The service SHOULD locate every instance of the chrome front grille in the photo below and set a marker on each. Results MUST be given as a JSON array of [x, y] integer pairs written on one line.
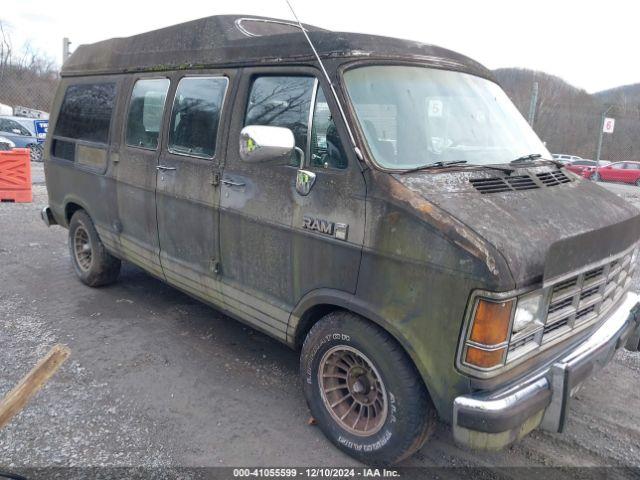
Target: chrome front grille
[[583, 298], [577, 302]]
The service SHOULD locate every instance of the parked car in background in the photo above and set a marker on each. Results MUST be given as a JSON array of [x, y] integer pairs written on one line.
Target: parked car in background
[[36, 126], [24, 133], [6, 144], [627, 172], [565, 158], [584, 167]]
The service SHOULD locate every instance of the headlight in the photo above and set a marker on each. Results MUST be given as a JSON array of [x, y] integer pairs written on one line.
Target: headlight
[[528, 313], [496, 324]]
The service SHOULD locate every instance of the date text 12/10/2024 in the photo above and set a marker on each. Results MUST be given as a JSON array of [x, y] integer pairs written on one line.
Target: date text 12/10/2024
[[291, 472]]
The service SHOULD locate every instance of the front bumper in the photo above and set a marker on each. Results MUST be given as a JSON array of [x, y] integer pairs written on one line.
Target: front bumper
[[493, 420]]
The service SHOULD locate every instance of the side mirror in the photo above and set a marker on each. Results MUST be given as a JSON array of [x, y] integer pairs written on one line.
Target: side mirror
[[261, 143]]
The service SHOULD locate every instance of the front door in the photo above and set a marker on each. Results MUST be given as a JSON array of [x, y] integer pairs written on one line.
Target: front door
[[276, 244], [187, 193], [614, 172]]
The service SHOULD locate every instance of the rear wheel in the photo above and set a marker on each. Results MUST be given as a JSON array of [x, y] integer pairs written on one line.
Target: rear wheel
[[638, 182], [595, 177], [363, 390], [91, 261]]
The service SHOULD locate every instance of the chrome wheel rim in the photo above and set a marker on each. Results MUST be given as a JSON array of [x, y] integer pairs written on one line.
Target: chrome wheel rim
[[36, 154], [352, 390], [82, 248]]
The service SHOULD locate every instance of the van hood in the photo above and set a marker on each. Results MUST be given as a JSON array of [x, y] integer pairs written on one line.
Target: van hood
[[544, 221]]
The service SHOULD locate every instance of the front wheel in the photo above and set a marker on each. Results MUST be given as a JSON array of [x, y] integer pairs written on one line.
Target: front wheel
[[638, 182], [595, 177], [364, 391]]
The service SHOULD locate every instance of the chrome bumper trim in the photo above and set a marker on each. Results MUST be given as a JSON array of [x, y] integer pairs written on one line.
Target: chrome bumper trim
[[493, 420], [47, 217]]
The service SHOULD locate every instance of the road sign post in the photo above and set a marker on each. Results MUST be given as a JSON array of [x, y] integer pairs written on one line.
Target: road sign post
[[606, 126], [609, 125]]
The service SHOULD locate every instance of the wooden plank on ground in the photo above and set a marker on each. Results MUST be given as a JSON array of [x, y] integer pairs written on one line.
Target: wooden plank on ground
[[17, 398]]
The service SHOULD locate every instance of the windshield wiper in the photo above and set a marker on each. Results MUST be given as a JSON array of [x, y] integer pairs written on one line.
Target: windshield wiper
[[526, 158], [439, 165], [436, 165]]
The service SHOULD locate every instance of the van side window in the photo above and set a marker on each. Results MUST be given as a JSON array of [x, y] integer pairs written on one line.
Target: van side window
[[145, 112], [282, 102], [195, 116], [86, 111], [326, 147]]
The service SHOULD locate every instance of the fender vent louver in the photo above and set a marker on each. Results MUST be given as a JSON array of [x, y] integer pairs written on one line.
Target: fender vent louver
[[551, 179], [506, 184], [519, 182]]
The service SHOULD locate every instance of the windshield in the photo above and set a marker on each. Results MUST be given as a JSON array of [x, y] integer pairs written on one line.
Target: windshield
[[414, 116]]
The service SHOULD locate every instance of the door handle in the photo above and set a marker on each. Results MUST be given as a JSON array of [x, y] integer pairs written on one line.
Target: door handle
[[231, 183], [164, 168]]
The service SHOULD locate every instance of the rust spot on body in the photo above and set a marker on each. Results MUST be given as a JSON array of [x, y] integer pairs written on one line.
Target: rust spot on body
[[455, 230]]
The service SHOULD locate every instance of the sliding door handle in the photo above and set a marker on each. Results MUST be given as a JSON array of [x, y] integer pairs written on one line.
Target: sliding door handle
[[232, 183]]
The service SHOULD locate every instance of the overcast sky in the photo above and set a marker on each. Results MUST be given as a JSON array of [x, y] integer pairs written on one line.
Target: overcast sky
[[590, 44]]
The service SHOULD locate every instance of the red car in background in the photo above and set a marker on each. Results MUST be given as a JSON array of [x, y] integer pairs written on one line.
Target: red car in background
[[627, 172], [585, 168]]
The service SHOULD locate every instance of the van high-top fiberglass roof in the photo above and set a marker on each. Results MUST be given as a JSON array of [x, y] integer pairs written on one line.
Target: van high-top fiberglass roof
[[236, 40]]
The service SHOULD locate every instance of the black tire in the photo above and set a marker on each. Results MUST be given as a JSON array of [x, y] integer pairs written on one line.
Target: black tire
[[595, 177], [633, 342], [93, 264], [410, 414], [638, 183]]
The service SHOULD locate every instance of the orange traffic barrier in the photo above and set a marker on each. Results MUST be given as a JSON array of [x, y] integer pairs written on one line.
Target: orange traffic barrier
[[15, 176]]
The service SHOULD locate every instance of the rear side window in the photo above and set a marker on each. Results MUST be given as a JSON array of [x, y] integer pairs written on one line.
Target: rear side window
[[146, 109], [86, 112], [195, 116], [282, 102]]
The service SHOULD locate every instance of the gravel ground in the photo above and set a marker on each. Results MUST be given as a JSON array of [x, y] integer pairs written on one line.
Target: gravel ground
[[158, 379]]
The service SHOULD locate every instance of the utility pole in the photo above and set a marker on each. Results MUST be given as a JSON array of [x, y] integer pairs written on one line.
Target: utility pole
[[533, 104], [65, 49], [603, 116]]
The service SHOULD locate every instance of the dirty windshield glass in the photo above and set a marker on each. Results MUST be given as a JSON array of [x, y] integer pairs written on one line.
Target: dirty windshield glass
[[414, 116]]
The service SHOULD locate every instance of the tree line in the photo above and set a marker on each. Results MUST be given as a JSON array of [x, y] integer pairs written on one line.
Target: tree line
[[27, 77], [568, 119]]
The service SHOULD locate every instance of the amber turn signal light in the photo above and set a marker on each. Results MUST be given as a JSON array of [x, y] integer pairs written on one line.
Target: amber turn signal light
[[484, 358], [491, 321]]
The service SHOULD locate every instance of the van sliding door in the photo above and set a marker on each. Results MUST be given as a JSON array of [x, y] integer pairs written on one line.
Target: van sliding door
[[136, 173], [187, 196]]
